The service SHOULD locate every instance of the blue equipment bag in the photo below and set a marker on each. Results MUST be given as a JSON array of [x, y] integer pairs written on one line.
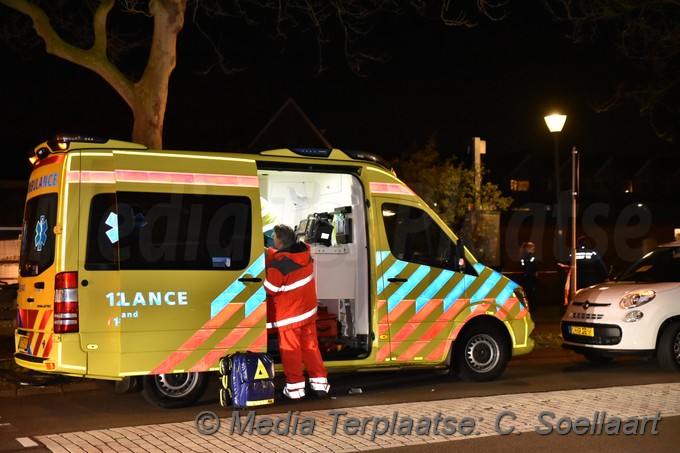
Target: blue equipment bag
[[248, 380]]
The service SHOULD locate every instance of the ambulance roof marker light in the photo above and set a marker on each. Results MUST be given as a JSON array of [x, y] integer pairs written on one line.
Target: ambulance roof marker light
[[59, 143], [312, 152], [369, 157], [357, 155], [38, 154]]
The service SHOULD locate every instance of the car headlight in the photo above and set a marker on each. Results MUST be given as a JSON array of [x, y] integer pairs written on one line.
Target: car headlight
[[637, 298]]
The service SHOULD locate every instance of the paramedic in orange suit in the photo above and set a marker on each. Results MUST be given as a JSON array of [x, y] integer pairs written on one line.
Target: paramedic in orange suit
[[291, 309]]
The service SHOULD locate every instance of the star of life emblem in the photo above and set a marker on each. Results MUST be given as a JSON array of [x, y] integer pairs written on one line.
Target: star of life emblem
[[40, 233]]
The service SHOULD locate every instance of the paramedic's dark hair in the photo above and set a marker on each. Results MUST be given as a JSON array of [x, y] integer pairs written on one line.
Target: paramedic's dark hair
[[285, 234]]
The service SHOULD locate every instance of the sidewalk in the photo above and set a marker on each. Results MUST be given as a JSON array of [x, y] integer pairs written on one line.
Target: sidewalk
[[598, 416]]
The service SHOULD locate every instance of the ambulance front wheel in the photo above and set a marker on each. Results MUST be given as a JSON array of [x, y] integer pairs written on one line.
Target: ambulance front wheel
[[174, 390], [481, 353]]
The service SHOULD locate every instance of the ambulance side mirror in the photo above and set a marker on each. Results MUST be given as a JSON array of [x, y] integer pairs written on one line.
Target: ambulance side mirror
[[459, 256]]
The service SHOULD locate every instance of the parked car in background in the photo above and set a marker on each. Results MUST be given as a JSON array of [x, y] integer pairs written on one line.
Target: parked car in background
[[637, 313]]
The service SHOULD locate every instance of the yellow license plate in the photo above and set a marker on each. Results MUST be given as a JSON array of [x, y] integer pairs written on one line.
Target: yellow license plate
[[583, 331], [23, 343]]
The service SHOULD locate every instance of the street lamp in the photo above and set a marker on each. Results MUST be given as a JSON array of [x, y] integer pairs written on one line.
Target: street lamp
[[555, 124]]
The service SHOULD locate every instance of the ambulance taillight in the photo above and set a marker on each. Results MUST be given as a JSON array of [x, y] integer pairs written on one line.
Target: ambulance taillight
[[66, 302]]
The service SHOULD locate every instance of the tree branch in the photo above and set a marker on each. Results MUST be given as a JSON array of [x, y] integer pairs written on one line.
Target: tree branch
[[94, 59]]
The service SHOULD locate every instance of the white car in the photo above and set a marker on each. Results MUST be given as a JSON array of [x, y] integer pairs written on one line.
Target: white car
[[637, 313]]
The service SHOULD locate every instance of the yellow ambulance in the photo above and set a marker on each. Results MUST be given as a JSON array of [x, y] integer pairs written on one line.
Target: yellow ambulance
[[145, 267]]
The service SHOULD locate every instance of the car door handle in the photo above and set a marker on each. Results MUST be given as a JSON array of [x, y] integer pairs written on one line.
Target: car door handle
[[39, 285], [397, 280], [250, 279]]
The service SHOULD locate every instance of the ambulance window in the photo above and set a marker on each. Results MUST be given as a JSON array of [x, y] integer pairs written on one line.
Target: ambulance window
[[102, 249], [37, 235], [136, 230], [415, 237]]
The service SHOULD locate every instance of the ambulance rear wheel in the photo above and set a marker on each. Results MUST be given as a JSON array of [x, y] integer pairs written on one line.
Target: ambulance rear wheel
[[481, 353], [175, 389]]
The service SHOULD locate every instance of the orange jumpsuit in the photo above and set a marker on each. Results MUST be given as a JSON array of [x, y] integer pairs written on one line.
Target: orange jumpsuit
[[291, 309]]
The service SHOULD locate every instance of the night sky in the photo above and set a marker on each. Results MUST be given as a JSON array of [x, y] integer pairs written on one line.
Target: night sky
[[495, 81]]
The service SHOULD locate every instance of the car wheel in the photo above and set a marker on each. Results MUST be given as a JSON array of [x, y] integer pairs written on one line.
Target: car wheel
[[174, 390], [481, 353], [668, 351]]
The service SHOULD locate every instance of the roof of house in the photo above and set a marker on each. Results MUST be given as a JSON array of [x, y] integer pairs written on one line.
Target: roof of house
[[289, 128]]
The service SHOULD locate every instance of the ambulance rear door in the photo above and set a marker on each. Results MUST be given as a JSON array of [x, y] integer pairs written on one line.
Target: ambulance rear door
[[172, 268], [42, 241]]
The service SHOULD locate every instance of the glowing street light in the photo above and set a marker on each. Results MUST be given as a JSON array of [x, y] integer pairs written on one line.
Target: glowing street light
[[555, 123]]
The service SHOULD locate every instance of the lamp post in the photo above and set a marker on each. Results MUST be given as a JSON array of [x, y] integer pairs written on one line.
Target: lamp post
[[575, 177], [555, 123]]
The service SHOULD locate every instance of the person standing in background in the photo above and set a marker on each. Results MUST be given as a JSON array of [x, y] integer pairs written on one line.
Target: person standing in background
[[529, 270], [590, 267]]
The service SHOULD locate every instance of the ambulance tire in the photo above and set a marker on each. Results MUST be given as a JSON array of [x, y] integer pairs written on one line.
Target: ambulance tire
[[481, 353], [174, 390]]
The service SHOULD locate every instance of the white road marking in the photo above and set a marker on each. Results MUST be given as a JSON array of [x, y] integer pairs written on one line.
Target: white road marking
[[27, 442]]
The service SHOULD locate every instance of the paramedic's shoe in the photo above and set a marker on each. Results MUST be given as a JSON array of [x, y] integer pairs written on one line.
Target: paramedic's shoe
[[320, 387], [295, 391]]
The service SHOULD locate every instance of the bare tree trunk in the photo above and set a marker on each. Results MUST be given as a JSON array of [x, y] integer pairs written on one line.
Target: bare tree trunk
[[150, 96]]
